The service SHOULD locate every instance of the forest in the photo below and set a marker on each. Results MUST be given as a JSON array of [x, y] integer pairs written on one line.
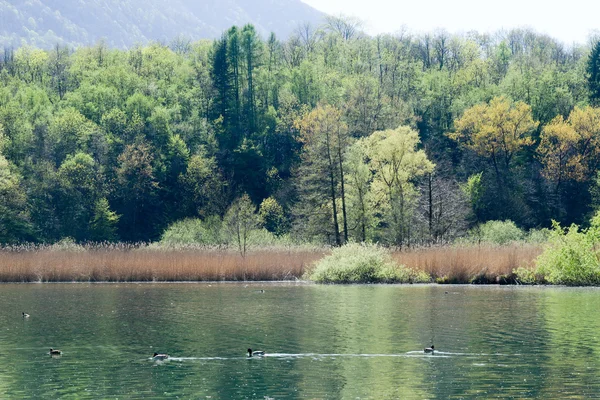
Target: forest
[[330, 136]]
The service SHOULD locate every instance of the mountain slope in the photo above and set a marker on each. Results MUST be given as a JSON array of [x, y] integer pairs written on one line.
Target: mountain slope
[[123, 23]]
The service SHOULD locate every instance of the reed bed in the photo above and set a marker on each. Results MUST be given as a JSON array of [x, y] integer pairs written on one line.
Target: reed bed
[[143, 263], [470, 263], [146, 264]]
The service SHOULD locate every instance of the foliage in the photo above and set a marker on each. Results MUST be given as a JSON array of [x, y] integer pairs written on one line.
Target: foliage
[[473, 190], [396, 162], [166, 133], [240, 220], [361, 263], [593, 74], [569, 149], [571, 256], [193, 231], [212, 232], [14, 216], [496, 130], [103, 226], [325, 141], [272, 216], [497, 232]]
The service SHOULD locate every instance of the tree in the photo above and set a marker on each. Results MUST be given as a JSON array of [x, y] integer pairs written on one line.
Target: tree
[[272, 216], [204, 188], [103, 225], [496, 131], [59, 65], [252, 52], [473, 190], [15, 224], [138, 193], [221, 78], [396, 162], [443, 207], [346, 27], [70, 132], [569, 149], [360, 200], [79, 189], [593, 74], [240, 220], [325, 139]]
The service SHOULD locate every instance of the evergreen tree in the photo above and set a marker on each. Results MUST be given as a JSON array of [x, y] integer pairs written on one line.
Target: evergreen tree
[[593, 71], [103, 225]]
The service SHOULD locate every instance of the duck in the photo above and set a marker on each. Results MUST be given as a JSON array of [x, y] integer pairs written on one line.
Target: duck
[[25, 315], [255, 353], [429, 349], [55, 352], [159, 357]]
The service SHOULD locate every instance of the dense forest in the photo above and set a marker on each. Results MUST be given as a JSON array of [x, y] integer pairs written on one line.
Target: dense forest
[[123, 23], [329, 136]]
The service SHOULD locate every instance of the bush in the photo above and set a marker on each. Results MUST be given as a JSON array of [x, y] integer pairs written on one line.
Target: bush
[[497, 232], [360, 263], [193, 231], [211, 232], [571, 257], [538, 236]]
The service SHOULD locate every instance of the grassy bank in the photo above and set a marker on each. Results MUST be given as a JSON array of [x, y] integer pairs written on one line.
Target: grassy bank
[[126, 263]]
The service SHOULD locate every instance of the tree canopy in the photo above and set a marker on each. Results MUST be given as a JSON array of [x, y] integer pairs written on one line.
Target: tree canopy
[[338, 136]]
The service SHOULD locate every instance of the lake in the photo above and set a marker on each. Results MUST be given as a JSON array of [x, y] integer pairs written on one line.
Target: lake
[[333, 342]]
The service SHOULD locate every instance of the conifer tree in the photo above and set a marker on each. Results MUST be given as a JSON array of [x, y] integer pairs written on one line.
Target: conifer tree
[[593, 70]]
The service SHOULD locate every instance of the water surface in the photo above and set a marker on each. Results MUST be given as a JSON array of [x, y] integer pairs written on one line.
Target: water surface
[[334, 342]]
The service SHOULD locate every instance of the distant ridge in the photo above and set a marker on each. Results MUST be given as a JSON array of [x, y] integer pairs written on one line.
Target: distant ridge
[[123, 23]]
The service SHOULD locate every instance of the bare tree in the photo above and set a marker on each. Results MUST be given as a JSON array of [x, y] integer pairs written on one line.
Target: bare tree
[[443, 208], [346, 27]]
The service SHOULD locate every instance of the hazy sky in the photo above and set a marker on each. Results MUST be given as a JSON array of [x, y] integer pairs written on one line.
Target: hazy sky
[[569, 21]]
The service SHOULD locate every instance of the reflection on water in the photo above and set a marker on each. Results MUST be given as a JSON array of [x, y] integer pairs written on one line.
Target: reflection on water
[[321, 341]]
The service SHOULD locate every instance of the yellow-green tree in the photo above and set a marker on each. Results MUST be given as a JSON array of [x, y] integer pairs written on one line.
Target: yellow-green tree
[[496, 130], [396, 162], [568, 149]]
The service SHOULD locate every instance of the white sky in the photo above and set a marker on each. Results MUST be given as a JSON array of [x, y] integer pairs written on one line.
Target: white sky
[[566, 20]]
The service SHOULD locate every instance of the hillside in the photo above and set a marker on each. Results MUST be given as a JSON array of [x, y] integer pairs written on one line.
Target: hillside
[[123, 23]]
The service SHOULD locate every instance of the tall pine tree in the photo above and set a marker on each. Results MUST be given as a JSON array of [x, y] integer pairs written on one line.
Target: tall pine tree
[[593, 70]]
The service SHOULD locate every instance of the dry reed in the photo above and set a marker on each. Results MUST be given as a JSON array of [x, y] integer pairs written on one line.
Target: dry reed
[[141, 263], [130, 263], [470, 264]]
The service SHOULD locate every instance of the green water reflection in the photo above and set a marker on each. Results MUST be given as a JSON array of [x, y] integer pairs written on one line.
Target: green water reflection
[[335, 342]]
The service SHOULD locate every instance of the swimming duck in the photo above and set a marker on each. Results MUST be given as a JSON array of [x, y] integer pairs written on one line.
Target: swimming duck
[[159, 357], [55, 352], [25, 315], [429, 349], [255, 353]]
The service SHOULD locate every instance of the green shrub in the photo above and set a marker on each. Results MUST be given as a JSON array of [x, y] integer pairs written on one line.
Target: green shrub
[[211, 232], [571, 257], [527, 276], [538, 236], [193, 231], [497, 232], [360, 263]]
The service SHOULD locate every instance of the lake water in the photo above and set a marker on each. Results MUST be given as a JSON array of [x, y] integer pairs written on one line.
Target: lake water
[[322, 342]]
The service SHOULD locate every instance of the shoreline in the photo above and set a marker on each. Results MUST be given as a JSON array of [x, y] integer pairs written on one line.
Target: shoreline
[[306, 283], [476, 264]]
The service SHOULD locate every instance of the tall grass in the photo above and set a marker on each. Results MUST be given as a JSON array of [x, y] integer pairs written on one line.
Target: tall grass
[[69, 262], [127, 263], [471, 263]]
